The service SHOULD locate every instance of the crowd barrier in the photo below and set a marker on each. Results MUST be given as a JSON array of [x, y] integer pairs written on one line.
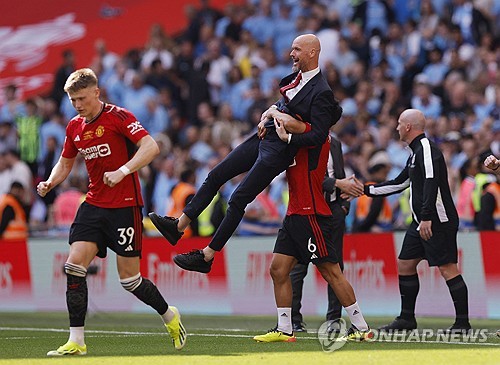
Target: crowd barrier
[[32, 277]]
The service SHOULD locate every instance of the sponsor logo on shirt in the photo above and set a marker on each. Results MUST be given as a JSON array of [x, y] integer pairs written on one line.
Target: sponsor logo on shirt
[[135, 127], [77, 138], [101, 150], [88, 135]]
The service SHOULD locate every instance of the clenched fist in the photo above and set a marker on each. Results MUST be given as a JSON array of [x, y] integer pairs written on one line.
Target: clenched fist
[[43, 188]]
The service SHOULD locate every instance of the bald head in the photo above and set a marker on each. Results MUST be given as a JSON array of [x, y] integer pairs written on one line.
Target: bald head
[[411, 123], [309, 41], [414, 117], [305, 52]]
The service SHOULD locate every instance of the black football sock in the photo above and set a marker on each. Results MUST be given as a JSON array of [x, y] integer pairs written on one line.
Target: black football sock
[[76, 294], [459, 294], [408, 288], [147, 292]]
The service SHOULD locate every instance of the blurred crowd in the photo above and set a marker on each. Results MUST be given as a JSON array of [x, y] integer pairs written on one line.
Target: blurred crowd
[[200, 92]]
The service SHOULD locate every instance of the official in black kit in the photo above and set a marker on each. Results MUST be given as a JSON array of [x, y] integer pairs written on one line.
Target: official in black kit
[[432, 234]]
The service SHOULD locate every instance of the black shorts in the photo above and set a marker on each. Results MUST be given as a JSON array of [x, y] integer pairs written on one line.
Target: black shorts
[[308, 238], [440, 250], [120, 229]]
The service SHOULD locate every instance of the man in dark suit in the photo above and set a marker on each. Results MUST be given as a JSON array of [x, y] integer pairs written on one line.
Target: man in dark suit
[[306, 97], [335, 182]]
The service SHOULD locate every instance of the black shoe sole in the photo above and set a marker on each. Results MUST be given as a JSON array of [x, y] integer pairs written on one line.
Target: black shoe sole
[[156, 222], [182, 265]]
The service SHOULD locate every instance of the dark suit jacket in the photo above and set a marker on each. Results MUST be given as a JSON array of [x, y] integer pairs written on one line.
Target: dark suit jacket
[[338, 171], [314, 104]]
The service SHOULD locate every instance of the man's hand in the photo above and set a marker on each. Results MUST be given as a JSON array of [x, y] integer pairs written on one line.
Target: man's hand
[[43, 188], [261, 130], [492, 162], [351, 186], [268, 114], [280, 130], [425, 230], [112, 178]]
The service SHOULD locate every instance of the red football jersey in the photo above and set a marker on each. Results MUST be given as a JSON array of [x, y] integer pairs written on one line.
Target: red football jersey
[[107, 143], [305, 181]]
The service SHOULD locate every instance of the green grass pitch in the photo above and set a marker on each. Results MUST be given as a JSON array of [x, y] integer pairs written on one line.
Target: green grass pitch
[[122, 339]]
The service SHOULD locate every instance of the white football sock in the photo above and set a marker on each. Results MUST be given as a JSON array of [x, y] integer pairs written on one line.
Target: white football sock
[[168, 316], [285, 320], [76, 334], [356, 317]]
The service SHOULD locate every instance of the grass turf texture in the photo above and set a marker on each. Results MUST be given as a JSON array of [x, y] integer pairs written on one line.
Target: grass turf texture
[[124, 339]]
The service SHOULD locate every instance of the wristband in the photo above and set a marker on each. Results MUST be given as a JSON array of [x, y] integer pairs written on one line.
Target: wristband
[[289, 138], [125, 170]]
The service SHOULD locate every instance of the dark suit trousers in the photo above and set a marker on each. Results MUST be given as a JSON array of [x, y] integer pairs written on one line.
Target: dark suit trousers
[[299, 271], [263, 159]]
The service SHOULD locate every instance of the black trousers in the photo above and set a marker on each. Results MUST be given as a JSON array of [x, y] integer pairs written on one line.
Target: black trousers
[[299, 271], [263, 159]]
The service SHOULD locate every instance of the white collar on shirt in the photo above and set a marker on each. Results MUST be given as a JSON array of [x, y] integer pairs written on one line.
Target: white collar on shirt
[[308, 75]]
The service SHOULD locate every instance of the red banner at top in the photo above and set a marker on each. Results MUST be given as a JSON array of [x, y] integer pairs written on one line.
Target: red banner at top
[[35, 33]]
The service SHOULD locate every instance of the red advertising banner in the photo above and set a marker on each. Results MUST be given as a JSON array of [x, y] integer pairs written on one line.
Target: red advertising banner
[[35, 33], [490, 245], [15, 276], [32, 277]]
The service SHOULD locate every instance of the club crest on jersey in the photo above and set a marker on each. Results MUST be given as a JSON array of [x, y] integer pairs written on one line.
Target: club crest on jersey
[[99, 132], [135, 127]]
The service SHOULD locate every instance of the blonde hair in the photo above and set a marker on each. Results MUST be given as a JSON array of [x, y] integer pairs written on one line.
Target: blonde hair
[[80, 79]]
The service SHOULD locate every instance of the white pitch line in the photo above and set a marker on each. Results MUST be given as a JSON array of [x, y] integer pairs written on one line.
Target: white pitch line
[[100, 333]]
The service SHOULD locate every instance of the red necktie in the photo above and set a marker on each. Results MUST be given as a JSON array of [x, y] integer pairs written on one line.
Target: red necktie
[[293, 84]]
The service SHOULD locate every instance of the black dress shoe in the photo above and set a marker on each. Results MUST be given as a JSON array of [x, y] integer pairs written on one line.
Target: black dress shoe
[[193, 261], [459, 328], [167, 226], [299, 327], [400, 324]]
